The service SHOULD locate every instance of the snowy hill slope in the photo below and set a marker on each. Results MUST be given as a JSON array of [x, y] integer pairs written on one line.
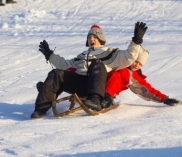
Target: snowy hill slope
[[137, 127]]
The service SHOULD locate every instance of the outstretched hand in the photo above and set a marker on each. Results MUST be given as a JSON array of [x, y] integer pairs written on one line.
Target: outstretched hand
[[171, 101], [139, 31], [44, 48]]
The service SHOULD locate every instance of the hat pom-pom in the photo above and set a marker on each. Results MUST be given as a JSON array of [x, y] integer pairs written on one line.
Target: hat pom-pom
[[95, 26]]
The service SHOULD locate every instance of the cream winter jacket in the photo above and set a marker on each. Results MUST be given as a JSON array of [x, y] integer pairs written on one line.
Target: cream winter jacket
[[114, 59]]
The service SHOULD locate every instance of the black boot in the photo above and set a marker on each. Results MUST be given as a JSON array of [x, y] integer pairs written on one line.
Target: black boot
[[37, 114], [94, 102], [107, 101]]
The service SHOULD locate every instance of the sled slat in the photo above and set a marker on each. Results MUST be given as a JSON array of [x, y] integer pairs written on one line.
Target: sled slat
[[74, 99]]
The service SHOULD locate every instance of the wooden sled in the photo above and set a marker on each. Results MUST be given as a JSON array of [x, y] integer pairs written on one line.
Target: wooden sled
[[74, 99]]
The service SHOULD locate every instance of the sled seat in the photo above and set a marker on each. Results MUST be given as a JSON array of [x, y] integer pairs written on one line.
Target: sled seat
[[74, 99]]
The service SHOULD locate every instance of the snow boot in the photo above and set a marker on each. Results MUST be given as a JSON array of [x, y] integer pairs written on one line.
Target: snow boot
[[40, 110], [107, 101], [37, 114], [94, 102]]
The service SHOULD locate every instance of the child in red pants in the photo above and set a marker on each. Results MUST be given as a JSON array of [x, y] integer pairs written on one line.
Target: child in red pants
[[131, 78]]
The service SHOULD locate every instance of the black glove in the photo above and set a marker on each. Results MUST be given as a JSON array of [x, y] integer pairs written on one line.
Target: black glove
[[171, 101], [44, 48], [139, 31]]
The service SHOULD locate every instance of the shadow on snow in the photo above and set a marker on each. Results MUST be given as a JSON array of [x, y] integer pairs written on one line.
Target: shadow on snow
[[16, 111], [156, 152]]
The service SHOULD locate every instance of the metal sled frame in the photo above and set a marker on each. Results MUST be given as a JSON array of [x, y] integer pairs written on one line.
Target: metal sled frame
[[74, 99]]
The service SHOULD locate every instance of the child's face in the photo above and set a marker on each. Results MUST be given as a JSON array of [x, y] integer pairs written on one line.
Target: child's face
[[93, 41], [136, 66]]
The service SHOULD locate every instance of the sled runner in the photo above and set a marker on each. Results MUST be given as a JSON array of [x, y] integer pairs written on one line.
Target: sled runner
[[74, 99]]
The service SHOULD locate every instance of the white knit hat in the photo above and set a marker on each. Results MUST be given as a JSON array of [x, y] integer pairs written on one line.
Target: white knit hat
[[98, 32], [143, 56]]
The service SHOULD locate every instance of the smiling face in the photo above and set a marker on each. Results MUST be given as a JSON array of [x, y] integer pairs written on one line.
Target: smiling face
[[93, 41], [135, 66]]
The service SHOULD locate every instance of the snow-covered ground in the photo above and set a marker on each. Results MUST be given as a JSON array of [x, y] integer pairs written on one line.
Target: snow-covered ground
[[136, 128]]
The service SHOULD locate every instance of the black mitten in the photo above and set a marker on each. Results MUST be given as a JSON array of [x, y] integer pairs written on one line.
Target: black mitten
[[171, 101], [44, 48], [139, 31]]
